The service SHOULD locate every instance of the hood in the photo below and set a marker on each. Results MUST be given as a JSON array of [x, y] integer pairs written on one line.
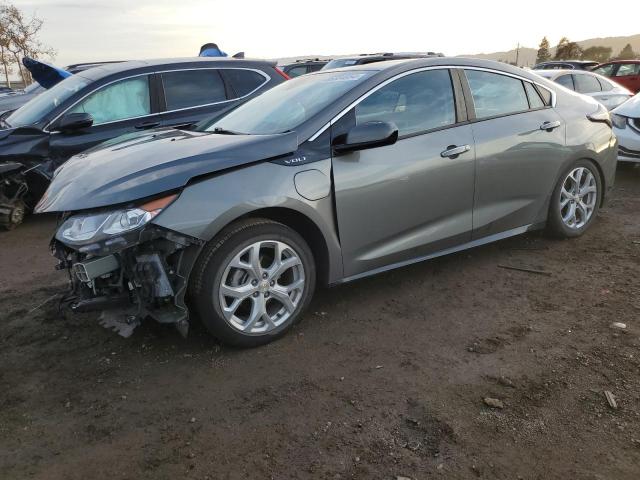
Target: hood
[[140, 165], [43, 73], [23, 144], [630, 108]]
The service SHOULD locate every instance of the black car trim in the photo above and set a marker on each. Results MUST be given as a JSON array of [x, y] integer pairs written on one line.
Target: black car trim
[[268, 78]]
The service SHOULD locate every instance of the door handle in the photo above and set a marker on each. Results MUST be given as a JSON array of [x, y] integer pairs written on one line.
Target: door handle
[[453, 151], [549, 126], [145, 125]]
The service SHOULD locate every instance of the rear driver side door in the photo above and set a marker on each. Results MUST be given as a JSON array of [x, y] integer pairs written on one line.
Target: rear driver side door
[[404, 201], [520, 150]]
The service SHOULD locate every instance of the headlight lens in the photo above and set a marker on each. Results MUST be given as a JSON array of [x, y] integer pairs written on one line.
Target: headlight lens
[[92, 227], [619, 121]]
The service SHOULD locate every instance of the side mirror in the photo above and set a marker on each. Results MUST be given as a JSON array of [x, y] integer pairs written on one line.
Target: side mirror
[[367, 135], [74, 121]]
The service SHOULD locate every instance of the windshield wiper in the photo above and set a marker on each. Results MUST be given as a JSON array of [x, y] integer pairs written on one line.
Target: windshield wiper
[[224, 131]]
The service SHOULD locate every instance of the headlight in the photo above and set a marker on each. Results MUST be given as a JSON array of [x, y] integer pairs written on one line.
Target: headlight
[[619, 121], [93, 227]]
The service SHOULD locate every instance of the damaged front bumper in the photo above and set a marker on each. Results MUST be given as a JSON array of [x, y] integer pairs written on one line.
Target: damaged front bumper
[[139, 275]]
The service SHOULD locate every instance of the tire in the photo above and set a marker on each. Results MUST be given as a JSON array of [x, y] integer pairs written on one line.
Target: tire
[[228, 264], [559, 223]]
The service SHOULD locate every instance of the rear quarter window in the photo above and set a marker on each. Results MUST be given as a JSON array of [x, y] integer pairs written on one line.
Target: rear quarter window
[[244, 82], [586, 83]]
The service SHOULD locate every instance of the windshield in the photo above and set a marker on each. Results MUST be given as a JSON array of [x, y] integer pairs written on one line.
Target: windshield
[[290, 104], [339, 63], [38, 107]]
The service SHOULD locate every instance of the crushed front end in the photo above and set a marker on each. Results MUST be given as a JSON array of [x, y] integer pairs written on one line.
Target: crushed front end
[[131, 269]]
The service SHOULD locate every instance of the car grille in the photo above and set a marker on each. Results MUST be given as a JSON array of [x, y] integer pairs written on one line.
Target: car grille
[[627, 152], [635, 122]]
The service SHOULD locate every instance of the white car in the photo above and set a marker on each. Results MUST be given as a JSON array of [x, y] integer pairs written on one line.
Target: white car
[[626, 126], [606, 91]]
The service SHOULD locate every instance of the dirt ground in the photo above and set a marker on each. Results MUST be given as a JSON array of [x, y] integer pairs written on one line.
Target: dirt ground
[[384, 378]]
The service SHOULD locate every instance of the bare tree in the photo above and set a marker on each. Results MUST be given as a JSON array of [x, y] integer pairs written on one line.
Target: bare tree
[[21, 38]]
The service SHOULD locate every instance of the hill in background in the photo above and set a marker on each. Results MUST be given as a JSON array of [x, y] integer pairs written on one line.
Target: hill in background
[[527, 56]]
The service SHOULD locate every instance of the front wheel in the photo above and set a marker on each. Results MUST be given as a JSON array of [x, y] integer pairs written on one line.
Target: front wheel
[[252, 283], [575, 200]]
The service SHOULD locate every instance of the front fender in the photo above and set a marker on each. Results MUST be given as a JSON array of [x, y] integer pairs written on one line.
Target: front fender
[[205, 207]]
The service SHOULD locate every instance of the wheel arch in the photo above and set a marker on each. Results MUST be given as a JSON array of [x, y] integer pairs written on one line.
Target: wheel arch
[[301, 224]]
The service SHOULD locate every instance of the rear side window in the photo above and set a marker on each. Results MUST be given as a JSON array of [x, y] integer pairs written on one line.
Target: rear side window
[[586, 84], [192, 88], [566, 81], [627, 69], [606, 86], [243, 82], [534, 97], [495, 94], [414, 103], [297, 71]]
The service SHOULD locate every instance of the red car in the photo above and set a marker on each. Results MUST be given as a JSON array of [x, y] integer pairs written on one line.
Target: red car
[[624, 72]]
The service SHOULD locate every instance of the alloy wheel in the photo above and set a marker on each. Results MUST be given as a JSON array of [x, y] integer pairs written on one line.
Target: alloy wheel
[[261, 287], [578, 197]]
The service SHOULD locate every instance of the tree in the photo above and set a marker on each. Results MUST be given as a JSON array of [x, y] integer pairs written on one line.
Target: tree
[[543, 51], [567, 50], [19, 38], [597, 54], [627, 53]]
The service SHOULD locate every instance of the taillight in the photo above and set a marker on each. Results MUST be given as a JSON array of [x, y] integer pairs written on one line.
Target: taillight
[[284, 75], [601, 115]]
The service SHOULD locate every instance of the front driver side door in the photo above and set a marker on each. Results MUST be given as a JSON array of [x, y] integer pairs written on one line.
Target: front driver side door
[[121, 107], [405, 201]]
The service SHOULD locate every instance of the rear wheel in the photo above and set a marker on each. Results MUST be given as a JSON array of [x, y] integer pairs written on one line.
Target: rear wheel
[[575, 201], [252, 283]]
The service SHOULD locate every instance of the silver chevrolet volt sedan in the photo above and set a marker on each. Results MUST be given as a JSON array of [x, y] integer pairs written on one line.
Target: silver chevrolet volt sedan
[[324, 179]]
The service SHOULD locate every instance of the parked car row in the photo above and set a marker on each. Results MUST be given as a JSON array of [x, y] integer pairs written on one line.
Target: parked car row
[[323, 179], [624, 72], [607, 92]]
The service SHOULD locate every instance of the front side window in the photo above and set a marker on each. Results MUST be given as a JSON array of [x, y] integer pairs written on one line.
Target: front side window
[[566, 81], [414, 103], [586, 83], [627, 69], [121, 100], [494, 94], [40, 106], [606, 70], [243, 82], [192, 88], [288, 105]]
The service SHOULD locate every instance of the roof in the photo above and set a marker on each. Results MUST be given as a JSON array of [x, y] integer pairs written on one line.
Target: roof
[[633, 60], [402, 64], [106, 70]]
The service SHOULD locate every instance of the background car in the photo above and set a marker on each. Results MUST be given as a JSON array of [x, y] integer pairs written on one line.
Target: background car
[[566, 65], [626, 126], [326, 178], [366, 58], [104, 102], [18, 98], [624, 72], [302, 67], [607, 92]]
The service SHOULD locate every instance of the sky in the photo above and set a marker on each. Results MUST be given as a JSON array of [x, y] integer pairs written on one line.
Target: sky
[[100, 30]]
